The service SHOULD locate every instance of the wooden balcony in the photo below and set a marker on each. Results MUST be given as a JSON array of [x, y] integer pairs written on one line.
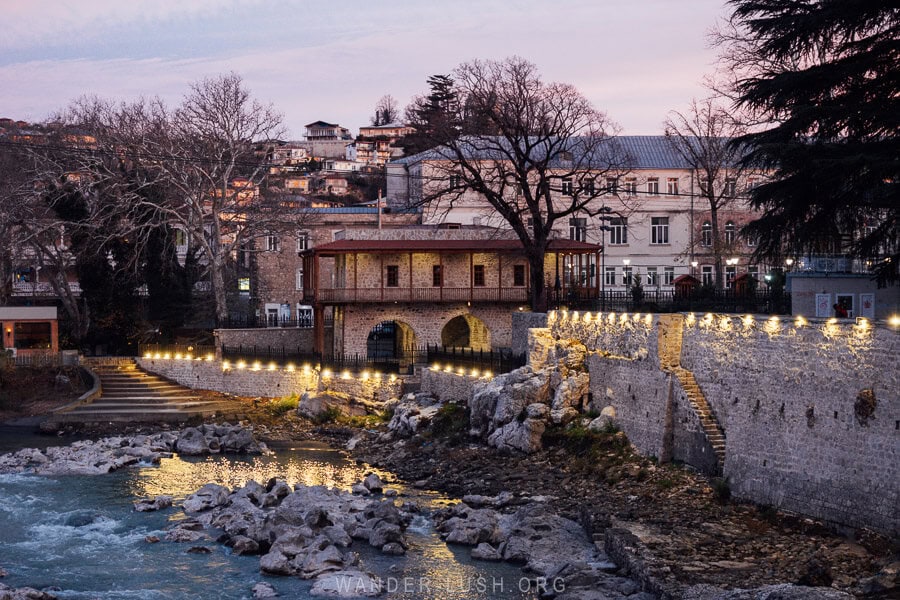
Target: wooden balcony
[[429, 295]]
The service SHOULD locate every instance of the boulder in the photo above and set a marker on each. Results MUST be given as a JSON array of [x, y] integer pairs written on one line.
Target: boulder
[[518, 436], [347, 584], [264, 590], [150, 504], [209, 496], [192, 442], [373, 483], [484, 551]]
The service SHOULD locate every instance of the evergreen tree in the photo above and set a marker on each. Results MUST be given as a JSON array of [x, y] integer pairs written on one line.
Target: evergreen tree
[[821, 79]]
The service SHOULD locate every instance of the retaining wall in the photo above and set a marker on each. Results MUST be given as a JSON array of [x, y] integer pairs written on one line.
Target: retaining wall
[[209, 375], [810, 410]]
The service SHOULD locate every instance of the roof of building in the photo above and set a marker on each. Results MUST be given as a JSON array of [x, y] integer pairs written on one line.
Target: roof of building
[[640, 151], [482, 245], [321, 124]]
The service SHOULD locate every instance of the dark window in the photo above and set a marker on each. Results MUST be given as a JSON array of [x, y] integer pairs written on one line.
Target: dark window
[[437, 276], [393, 276], [618, 231], [519, 275], [478, 275], [730, 231], [587, 186], [567, 186], [33, 336], [578, 229], [706, 234]]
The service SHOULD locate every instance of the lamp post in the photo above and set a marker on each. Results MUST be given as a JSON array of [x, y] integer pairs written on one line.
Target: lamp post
[[694, 264], [604, 218]]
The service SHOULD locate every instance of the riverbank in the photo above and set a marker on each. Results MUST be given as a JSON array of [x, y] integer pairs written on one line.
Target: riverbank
[[670, 528]]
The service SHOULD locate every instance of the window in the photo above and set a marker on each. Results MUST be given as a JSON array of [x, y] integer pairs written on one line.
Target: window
[[653, 186], [567, 186], [618, 232], [750, 239], [455, 181], [437, 276], [730, 274], [587, 187], [730, 188], [244, 284], [393, 276], [729, 232], [299, 282], [24, 275], [652, 276], [672, 186], [706, 234], [302, 241], [659, 230], [518, 275], [630, 186], [610, 277], [578, 229], [180, 237], [612, 185], [33, 335], [706, 275], [478, 275], [753, 271], [273, 244], [626, 275], [668, 275]]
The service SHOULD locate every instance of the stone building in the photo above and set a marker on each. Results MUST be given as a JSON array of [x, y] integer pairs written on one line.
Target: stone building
[[394, 290], [657, 226]]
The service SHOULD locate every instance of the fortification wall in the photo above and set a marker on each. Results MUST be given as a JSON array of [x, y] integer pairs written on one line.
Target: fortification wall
[[810, 410]]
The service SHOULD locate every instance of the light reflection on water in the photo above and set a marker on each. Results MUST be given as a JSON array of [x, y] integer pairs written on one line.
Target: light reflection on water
[[108, 557]]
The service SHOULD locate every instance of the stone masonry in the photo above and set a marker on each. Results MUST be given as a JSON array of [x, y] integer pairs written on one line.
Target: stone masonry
[[810, 409]]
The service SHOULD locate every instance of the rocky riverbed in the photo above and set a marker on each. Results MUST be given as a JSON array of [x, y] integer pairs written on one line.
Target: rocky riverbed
[[672, 529]]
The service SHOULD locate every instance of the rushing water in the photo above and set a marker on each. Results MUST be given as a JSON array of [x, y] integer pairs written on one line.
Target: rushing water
[[82, 536]]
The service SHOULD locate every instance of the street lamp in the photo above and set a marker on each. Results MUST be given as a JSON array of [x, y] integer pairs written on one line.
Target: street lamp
[[604, 218], [694, 264]]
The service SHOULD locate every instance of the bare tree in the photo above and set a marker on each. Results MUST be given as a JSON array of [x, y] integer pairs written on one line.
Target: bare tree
[[535, 152], [702, 136], [386, 111]]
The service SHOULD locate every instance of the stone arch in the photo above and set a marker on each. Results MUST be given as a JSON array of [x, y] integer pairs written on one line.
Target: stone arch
[[466, 331], [390, 339]]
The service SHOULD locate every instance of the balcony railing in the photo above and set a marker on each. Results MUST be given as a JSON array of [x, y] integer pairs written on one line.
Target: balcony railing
[[432, 294]]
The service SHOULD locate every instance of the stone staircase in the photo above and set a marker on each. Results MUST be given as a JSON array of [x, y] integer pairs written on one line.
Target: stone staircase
[[671, 328], [128, 394]]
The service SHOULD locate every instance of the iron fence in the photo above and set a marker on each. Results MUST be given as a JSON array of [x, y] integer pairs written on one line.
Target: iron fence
[[502, 360], [666, 301], [197, 351], [252, 321]]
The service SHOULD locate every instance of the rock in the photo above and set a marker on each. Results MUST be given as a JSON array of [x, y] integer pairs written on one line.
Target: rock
[[373, 483], [198, 550], [183, 535], [276, 562], [192, 442], [768, 592], [264, 590], [347, 584], [209, 496], [537, 411], [394, 549], [522, 437], [150, 504], [358, 488], [242, 545], [484, 551], [151, 539]]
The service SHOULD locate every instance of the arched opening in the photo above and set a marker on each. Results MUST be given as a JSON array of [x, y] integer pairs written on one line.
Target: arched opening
[[466, 331], [390, 339]]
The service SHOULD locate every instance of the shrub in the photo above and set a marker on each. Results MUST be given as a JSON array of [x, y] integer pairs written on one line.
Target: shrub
[[281, 406], [331, 414], [451, 422]]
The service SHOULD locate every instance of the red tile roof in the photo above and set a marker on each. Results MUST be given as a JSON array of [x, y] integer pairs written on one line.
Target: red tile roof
[[388, 246]]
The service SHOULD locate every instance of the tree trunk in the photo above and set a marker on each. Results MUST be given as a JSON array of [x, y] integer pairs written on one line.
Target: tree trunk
[[716, 247], [539, 300], [217, 281]]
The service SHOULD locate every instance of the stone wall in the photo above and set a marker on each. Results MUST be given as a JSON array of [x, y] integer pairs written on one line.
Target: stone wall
[[290, 338], [810, 410], [426, 321], [449, 387], [209, 375], [521, 322]]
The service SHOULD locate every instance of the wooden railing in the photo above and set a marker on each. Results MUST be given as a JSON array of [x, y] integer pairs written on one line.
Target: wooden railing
[[430, 294]]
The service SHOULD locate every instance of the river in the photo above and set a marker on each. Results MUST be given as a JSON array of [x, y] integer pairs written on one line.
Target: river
[[81, 535]]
